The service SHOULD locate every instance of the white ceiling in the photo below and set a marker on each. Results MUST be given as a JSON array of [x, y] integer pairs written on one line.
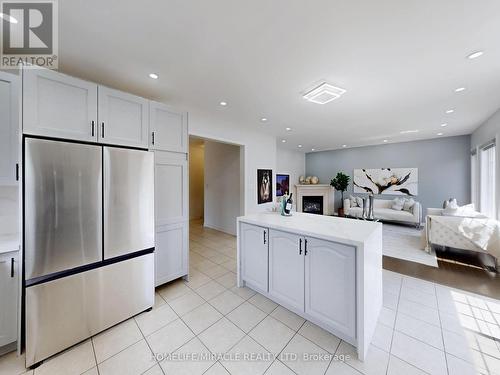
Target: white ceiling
[[400, 62]]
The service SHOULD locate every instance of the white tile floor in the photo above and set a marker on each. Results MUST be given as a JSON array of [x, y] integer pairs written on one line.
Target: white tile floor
[[424, 328]]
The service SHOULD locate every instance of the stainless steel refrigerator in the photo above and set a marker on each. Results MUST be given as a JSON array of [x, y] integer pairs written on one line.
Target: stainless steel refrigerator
[[88, 241]]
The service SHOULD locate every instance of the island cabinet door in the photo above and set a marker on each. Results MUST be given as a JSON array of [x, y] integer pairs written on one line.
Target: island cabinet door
[[330, 284], [286, 269], [254, 253]]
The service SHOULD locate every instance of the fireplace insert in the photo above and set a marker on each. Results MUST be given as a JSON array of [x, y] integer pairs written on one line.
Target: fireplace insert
[[312, 205]]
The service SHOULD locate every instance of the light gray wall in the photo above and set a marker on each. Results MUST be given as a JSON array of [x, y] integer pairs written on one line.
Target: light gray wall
[[443, 166], [222, 186]]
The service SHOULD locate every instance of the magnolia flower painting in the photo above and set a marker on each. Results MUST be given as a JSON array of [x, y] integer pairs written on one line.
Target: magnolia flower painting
[[394, 181]]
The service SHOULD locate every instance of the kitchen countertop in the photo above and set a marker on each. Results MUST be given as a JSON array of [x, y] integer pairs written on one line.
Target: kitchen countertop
[[9, 242], [354, 232]]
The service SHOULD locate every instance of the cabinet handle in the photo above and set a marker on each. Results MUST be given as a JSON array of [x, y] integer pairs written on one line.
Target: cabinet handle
[[265, 240], [152, 138], [300, 246], [17, 171], [305, 246], [92, 126], [102, 129], [11, 267]]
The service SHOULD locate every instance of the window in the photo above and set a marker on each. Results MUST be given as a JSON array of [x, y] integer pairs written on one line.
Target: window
[[487, 180]]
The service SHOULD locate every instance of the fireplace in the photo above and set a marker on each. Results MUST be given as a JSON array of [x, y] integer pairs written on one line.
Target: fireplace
[[314, 199], [312, 204]]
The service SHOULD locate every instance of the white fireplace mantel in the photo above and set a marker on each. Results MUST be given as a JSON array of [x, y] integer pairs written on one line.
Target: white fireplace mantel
[[318, 190]]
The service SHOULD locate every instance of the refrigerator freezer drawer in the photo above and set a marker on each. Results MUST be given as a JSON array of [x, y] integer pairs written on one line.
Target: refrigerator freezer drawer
[[65, 311], [128, 201], [63, 206]]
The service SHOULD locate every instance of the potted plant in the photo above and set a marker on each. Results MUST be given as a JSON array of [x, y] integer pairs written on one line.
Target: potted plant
[[340, 183]]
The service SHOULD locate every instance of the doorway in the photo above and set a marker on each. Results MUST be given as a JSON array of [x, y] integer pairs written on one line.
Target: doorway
[[215, 184]]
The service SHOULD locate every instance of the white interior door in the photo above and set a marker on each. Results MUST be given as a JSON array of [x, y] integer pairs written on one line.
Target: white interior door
[[286, 269], [60, 106], [330, 284], [254, 255], [168, 128], [123, 118], [9, 127]]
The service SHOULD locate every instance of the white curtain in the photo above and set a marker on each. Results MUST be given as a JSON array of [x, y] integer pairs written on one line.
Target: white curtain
[[474, 179], [487, 181]]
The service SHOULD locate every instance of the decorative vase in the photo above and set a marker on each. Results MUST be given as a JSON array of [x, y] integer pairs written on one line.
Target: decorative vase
[[370, 212]]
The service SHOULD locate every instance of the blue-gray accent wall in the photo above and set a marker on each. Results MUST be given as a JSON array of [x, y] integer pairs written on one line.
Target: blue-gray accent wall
[[443, 166]]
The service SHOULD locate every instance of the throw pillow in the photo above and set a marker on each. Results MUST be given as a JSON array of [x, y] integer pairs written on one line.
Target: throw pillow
[[451, 208], [397, 204], [359, 200], [354, 201], [408, 205]]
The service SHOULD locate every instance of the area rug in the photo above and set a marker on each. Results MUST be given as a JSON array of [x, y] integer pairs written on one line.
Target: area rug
[[406, 243]]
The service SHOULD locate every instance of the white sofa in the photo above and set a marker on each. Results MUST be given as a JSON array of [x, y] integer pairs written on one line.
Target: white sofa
[[382, 210]]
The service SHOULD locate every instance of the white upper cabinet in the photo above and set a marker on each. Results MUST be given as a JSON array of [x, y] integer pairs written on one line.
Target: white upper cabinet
[[123, 118], [286, 269], [59, 106], [331, 285], [9, 127], [254, 242], [168, 128]]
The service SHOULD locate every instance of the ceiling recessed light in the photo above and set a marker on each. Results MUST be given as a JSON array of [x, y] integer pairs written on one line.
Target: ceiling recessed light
[[444, 124], [283, 141], [459, 89], [450, 111], [300, 146], [263, 119], [344, 146], [475, 55], [313, 149], [8, 18], [153, 75], [288, 129], [439, 133], [324, 93], [385, 140], [409, 131], [223, 104]]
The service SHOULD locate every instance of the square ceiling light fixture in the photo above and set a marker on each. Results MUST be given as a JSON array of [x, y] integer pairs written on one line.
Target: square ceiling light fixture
[[324, 93]]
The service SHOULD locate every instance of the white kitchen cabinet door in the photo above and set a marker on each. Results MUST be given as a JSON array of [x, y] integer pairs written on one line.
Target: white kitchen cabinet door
[[123, 118], [286, 269], [9, 127], [171, 188], [60, 106], [9, 286], [254, 242], [171, 253], [330, 284], [168, 128]]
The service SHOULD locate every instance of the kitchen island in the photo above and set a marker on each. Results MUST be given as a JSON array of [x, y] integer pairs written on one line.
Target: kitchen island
[[326, 269]]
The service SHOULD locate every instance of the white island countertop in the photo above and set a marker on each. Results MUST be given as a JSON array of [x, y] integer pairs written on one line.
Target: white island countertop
[[329, 228], [9, 242]]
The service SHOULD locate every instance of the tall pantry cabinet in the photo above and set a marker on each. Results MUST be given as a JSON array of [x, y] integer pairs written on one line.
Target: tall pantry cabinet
[[169, 140]]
